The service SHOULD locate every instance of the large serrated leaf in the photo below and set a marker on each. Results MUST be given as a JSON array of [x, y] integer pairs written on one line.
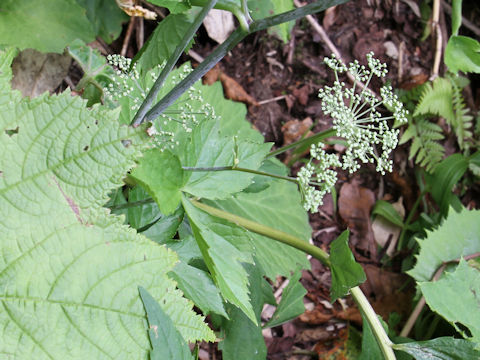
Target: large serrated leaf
[[458, 236], [456, 297], [463, 54], [443, 348], [47, 26], [69, 271]]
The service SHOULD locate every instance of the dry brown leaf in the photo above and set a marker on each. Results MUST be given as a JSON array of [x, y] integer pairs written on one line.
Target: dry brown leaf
[[302, 94], [354, 205], [212, 75], [386, 233], [234, 91], [131, 9], [329, 17], [316, 316]]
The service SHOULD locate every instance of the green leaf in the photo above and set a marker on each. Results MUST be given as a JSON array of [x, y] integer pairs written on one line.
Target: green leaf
[[174, 6], [167, 343], [386, 210], [106, 18], [456, 16], [437, 99], [224, 248], [370, 348], [456, 297], [161, 174], [243, 339], [458, 236], [291, 305], [198, 287], [148, 218], [346, 273], [278, 206], [47, 26], [266, 8], [463, 54], [443, 348], [163, 41], [97, 74], [209, 149], [70, 271], [445, 176]]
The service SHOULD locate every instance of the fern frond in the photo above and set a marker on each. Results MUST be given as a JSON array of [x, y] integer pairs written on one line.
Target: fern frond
[[462, 121], [425, 147], [437, 99]]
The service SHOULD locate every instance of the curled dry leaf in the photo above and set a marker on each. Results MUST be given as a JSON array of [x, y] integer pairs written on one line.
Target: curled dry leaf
[[131, 9], [354, 205], [294, 130]]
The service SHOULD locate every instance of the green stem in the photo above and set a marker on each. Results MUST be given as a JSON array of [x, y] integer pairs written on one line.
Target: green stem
[[381, 336], [379, 332], [408, 220], [303, 142], [228, 45], [264, 230], [172, 60], [234, 168]]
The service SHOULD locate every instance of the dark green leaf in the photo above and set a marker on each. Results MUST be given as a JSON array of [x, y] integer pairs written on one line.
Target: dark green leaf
[[167, 343], [161, 174], [463, 54], [291, 305], [174, 6], [266, 8], [443, 348], [163, 41], [106, 17], [346, 273], [445, 176], [47, 26], [370, 348], [243, 339], [386, 210], [198, 287]]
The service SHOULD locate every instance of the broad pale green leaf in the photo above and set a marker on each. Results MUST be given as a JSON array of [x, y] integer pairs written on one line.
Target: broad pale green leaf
[[458, 236], [443, 348], [463, 54], [243, 339], [161, 174], [278, 206], [163, 41], [346, 273], [209, 149], [106, 18], [198, 287], [224, 248], [166, 341], [69, 271], [291, 305], [456, 297], [266, 8], [47, 26]]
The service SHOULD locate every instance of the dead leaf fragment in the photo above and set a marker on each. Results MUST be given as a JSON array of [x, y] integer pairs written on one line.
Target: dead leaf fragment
[[35, 72], [234, 91], [302, 94], [219, 24], [354, 205], [132, 9], [386, 233]]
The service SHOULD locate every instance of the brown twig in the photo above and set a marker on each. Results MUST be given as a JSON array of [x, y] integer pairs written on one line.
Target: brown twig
[[438, 33], [128, 35], [140, 33]]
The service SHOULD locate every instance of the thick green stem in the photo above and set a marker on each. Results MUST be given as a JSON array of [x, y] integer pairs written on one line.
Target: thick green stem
[[234, 168], [228, 45], [153, 93], [379, 332], [303, 142], [272, 233]]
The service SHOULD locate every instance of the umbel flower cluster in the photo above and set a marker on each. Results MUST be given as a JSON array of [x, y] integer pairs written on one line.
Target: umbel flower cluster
[[356, 119], [129, 88]]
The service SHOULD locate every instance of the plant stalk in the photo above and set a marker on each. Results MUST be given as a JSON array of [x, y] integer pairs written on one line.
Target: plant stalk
[[303, 142], [172, 60], [228, 45], [235, 168]]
